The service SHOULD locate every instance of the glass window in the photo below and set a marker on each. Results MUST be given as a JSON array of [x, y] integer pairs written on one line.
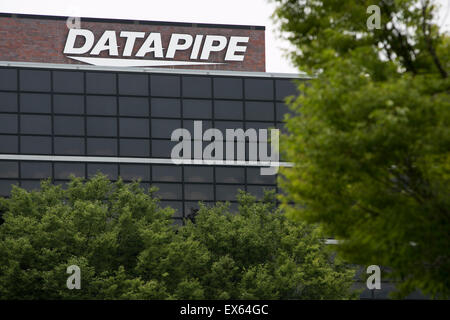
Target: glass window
[[102, 127], [30, 185], [170, 108], [227, 192], [189, 125], [224, 125], [258, 191], [196, 87], [101, 105], [133, 84], [68, 81], [131, 106], [36, 170], [168, 191], [8, 123], [36, 124], [162, 148], [8, 102], [197, 109], [233, 110], [199, 192], [263, 111], [162, 128], [9, 144], [69, 146], [228, 88], [35, 103], [285, 88], [169, 173], [254, 176], [69, 125], [134, 147], [35, 80], [134, 127], [68, 103], [261, 89], [230, 175], [108, 169], [283, 109], [260, 125], [8, 79], [9, 169], [165, 85], [198, 174], [101, 147], [177, 205], [101, 82], [64, 170], [130, 172], [6, 186]]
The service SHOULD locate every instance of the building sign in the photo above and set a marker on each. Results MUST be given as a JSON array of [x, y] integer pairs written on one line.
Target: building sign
[[124, 43]]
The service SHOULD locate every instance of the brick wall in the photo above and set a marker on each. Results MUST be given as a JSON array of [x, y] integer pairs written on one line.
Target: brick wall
[[42, 39]]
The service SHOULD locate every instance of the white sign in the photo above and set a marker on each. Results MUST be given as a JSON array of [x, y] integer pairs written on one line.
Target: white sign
[[200, 46]]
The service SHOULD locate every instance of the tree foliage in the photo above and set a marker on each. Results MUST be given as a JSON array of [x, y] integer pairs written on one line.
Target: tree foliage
[[127, 247], [370, 135]]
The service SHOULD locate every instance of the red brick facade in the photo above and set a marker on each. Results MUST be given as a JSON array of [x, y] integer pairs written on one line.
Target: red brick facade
[[42, 39]]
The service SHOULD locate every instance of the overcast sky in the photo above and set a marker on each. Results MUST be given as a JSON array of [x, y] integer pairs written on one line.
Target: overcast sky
[[248, 12]]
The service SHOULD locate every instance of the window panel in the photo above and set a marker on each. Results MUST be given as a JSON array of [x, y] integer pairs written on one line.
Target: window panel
[[196, 87], [30, 185], [68, 103], [8, 79], [102, 127], [168, 191], [285, 88], [233, 110], [224, 125], [101, 147], [166, 173], [8, 102], [9, 144], [36, 170], [261, 125], [130, 172], [162, 148], [254, 176], [199, 192], [260, 89], [65, 170], [198, 174], [69, 146], [176, 205], [162, 128], [134, 147], [9, 169], [228, 88], [189, 125], [34, 80], [134, 127], [108, 169], [282, 109], [101, 105], [68, 125], [258, 191], [162, 107], [68, 81], [8, 123], [36, 145], [197, 109], [33, 124], [230, 175], [191, 207], [133, 84], [35, 103], [260, 111], [227, 192], [165, 85], [131, 106], [103, 83]]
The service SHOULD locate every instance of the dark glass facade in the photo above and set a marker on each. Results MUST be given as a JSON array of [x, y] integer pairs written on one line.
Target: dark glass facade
[[84, 113]]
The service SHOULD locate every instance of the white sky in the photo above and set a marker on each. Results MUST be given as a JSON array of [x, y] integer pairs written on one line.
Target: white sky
[[247, 12]]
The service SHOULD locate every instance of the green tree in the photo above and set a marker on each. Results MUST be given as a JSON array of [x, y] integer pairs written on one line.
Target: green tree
[[127, 247], [370, 135]]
